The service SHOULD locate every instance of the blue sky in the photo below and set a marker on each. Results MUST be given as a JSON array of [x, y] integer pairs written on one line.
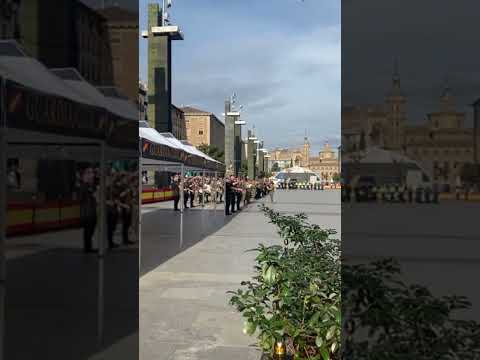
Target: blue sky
[[281, 57]]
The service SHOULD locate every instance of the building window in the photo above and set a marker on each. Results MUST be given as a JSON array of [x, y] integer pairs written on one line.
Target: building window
[[200, 132]]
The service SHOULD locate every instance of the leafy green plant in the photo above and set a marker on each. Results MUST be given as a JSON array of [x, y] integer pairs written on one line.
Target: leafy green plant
[[295, 294], [385, 318]]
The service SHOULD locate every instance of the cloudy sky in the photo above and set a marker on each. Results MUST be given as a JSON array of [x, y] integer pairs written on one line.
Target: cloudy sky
[[436, 42], [281, 57]]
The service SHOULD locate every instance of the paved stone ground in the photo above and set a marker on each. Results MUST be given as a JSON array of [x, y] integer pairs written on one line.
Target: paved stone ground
[[184, 311], [437, 245]]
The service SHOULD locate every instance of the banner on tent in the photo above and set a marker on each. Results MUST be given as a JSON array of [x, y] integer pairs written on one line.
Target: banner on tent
[[156, 151], [32, 110]]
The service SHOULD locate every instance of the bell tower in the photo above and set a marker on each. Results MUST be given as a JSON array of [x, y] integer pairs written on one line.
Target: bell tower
[[306, 151], [396, 113]]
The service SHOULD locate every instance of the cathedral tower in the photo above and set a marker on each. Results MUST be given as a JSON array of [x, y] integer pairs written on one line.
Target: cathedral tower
[[396, 112], [306, 152]]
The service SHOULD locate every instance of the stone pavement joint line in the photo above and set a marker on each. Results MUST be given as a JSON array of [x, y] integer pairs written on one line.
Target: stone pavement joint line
[[184, 310]]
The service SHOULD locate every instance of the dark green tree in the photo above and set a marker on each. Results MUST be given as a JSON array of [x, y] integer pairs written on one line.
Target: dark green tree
[[212, 151]]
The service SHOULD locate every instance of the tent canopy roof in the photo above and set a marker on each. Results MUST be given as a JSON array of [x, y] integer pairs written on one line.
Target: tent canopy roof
[[29, 72]]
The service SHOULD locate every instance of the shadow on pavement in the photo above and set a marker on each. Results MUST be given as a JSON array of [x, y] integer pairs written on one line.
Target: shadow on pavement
[[63, 304], [166, 233]]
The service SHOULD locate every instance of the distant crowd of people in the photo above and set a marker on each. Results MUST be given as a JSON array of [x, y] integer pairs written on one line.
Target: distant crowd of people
[[291, 184], [235, 192], [121, 195], [390, 193]]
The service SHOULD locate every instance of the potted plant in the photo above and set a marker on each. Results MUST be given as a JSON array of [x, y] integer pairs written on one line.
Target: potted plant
[[293, 300]]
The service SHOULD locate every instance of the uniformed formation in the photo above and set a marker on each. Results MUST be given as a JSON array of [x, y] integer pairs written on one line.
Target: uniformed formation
[[234, 192], [303, 185], [390, 193]]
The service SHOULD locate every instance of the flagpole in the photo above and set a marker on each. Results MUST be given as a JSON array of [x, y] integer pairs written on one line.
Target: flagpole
[[163, 12]]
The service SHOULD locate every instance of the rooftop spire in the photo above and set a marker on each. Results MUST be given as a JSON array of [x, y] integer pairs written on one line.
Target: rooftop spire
[[447, 90], [396, 74], [395, 78]]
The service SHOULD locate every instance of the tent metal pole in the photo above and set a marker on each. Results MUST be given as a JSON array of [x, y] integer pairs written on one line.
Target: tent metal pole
[[225, 189], [182, 186], [140, 196], [3, 212], [102, 202], [216, 190], [203, 188]]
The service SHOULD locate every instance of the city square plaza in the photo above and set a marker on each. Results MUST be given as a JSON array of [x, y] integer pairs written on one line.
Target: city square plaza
[[190, 260], [187, 268]]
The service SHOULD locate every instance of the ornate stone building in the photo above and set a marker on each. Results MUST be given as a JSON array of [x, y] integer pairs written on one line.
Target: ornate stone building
[[326, 164], [442, 144]]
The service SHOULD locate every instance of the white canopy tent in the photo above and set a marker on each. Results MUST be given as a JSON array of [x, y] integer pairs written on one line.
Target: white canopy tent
[[297, 173], [173, 155], [24, 83], [380, 160], [376, 155]]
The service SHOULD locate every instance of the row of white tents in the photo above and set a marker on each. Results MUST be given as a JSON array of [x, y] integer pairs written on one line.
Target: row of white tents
[[56, 114]]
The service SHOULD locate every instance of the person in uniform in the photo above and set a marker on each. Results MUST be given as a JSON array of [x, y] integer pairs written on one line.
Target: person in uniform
[[238, 193], [88, 208], [126, 204], [186, 193], [191, 191], [458, 187], [410, 193], [229, 195], [113, 211], [176, 193], [271, 191]]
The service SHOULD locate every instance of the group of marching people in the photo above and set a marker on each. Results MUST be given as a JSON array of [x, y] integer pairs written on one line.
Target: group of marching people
[[391, 193], [303, 185], [238, 191]]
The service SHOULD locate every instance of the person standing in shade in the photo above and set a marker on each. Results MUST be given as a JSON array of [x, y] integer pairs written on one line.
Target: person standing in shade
[[176, 193], [112, 211], [228, 195], [88, 208], [458, 187], [186, 194], [467, 189], [238, 193], [126, 202], [192, 190]]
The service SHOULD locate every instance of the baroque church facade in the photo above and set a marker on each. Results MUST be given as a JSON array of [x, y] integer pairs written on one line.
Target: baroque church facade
[[442, 144], [325, 165]]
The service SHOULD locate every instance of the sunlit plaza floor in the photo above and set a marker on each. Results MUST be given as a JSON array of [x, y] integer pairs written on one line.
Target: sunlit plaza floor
[[190, 261]]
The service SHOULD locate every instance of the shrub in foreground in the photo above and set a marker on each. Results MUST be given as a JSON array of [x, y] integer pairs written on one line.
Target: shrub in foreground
[[294, 296]]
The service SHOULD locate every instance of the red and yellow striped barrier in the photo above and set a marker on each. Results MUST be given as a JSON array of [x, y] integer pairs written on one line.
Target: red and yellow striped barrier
[[453, 196], [330, 187], [30, 217], [156, 195], [25, 218]]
